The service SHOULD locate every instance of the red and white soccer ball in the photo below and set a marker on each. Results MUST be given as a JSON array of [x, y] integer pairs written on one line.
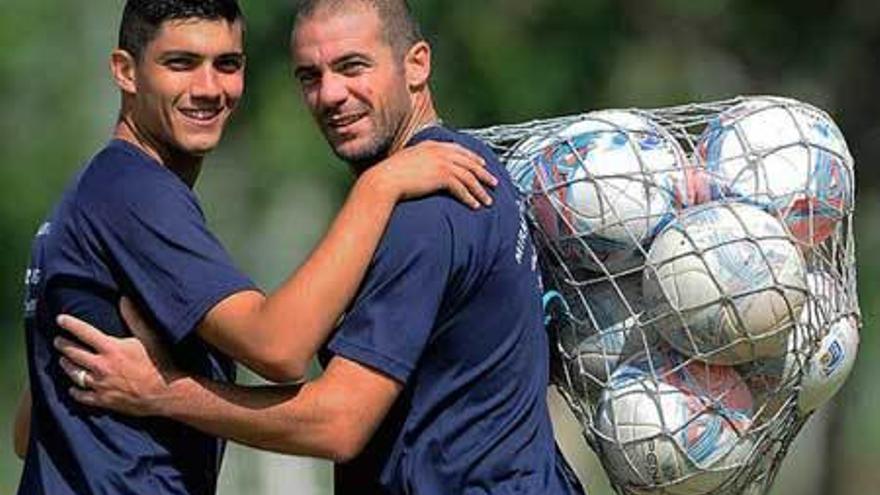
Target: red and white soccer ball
[[786, 157], [603, 186], [674, 427]]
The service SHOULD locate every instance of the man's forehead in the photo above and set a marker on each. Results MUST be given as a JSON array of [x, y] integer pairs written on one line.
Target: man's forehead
[[199, 36], [333, 32]]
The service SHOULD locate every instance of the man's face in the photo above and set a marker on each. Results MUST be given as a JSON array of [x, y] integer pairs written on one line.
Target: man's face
[[352, 81], [189, 81]]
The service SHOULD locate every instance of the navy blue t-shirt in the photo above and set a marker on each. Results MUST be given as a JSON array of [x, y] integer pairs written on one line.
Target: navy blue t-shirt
[[125, 226], [451, 309]]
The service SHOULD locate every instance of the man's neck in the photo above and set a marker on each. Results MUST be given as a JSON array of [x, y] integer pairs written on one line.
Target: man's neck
[[183, 165], [423, 115]]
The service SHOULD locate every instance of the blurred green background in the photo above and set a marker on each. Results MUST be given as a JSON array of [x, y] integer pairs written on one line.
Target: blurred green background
[[273, 185]]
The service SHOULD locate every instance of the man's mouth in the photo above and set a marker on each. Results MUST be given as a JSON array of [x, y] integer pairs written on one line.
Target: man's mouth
[[201, 116], [340, 122]]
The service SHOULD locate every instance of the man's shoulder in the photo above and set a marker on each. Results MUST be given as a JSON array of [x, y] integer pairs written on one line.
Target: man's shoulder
[[446, 134], [119, 161], [119, 173]]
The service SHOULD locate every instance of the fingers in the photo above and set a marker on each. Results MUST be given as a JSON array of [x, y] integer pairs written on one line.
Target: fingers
[[84, 332], [463, 194], [85, 397], [468, 189], [466, 155], [78, 375], [76, 354], [432, 166], [484, 175], [469, 175]]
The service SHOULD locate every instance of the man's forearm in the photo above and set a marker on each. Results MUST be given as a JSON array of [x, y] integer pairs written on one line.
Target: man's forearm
[[288, 419], [278, 336], [316, 295]]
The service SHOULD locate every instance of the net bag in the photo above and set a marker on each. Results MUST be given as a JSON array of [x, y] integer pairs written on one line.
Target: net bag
[[700, 287]]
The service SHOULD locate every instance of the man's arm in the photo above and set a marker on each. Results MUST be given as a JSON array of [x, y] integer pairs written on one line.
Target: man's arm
[[278, 335], [332, 417], [22, 426]]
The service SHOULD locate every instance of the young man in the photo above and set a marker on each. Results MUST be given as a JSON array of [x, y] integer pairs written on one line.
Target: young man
[[129, 224], [435, 380]]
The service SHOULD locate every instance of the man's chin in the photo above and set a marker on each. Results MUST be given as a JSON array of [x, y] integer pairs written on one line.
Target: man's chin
[[360, 156], [200, 148]]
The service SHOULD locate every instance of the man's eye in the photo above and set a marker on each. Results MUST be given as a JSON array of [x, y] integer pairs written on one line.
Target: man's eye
[[229, 66], [352, 68], [180, 63], [307, 78]]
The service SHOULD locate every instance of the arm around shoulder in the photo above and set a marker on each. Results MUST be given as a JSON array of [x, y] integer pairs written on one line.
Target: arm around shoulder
[[332, 417]]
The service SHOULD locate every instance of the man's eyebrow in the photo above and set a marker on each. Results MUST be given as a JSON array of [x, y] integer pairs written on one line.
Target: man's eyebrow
[[238, 56], [347, 57], [179, 54], [350, 57], [188, 54]]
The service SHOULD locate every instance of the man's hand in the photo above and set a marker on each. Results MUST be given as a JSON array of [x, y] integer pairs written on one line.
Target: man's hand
[[125, 375], [432, 166]]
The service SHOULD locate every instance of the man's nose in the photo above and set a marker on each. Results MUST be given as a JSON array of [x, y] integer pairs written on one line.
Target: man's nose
[[206, 83], [333, 91]]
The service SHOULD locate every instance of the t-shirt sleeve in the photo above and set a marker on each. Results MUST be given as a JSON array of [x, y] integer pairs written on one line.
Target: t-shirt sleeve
[[390, 322], [155, 239]]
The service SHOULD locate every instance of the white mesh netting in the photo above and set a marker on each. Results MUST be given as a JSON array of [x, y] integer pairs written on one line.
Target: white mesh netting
[[699, 270]]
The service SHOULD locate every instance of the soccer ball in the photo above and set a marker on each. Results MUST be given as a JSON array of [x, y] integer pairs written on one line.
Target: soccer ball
[[828, 367], [725, 284], [602, 187], [785, 156], [673, 426], [821, 354], [606, 327]]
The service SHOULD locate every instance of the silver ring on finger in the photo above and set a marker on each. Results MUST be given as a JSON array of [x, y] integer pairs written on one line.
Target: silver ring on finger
[[80, 377]]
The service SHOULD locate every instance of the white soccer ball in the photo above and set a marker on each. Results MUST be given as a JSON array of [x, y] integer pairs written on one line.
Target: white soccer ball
[[673, 427], [602, 187], [829, 365], [610, 329], [821, 354], [785, 156], [725, 283]]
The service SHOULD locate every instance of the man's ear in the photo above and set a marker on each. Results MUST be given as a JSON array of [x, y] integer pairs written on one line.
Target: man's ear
[[122, 67], [418, 65]]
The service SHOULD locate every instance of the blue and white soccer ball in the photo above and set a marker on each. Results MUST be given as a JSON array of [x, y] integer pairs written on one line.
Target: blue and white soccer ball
[[602, 187], [673, 426], [830, 365], [610, 329], [786, 157], [726, 284], [821, 353]]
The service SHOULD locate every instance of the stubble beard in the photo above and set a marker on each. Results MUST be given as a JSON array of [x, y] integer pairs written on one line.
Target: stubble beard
[[364, 158], [378, 147]]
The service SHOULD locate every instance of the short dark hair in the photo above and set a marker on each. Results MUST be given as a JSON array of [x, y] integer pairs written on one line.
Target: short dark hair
[[400, 27], [142, 19]]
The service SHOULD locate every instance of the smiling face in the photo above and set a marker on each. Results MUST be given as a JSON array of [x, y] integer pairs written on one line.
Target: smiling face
[[181, 93], [353, 82]]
